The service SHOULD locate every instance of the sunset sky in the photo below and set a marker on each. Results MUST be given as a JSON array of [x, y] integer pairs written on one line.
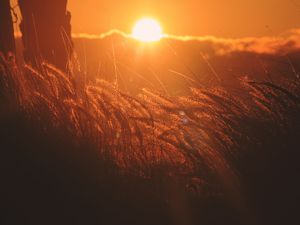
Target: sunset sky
[[230, 18]]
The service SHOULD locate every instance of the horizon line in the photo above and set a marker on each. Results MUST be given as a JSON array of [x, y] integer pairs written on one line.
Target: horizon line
[[178, 37]]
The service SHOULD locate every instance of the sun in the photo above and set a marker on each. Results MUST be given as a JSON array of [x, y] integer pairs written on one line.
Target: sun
[[147, 30]]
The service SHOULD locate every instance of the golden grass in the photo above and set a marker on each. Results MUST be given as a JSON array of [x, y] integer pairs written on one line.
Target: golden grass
[[197, 136]]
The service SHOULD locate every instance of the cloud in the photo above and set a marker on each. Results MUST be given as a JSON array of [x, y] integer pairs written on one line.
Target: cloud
[[277, 45], [101, 36], [282, 44]]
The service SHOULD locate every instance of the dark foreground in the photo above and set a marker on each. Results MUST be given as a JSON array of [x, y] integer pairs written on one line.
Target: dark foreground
[[91, 155]]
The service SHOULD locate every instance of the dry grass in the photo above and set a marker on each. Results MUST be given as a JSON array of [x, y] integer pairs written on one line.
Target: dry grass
[[210, 139]]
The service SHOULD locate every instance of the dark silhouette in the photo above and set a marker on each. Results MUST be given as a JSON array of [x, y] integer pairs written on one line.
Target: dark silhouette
[[46, 31], [7, 42]]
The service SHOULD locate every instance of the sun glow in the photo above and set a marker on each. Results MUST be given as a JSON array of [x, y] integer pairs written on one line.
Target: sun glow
[[147, 30]]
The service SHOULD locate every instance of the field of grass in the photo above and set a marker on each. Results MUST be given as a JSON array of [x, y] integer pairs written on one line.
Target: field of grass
[[76, 152]]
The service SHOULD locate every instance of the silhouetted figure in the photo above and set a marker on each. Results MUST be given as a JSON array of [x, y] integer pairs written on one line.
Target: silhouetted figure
[[7, 42], [46, 31]]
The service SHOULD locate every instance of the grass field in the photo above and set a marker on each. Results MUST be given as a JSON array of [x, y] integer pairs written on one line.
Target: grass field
[[87, 153]]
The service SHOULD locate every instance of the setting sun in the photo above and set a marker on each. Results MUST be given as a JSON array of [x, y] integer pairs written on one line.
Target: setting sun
[[147, 30]]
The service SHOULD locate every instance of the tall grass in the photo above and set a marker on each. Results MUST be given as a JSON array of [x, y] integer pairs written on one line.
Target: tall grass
[[230, 144]]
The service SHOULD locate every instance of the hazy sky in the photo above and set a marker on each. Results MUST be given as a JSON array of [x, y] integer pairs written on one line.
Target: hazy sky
[[225, 18]]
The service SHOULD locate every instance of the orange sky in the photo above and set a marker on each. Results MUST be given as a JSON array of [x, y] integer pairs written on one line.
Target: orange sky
[[223, 18]]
